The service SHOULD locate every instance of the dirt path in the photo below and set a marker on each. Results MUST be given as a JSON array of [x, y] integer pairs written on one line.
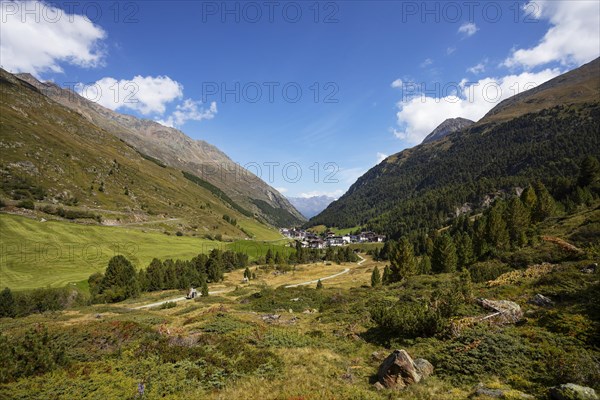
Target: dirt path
[[345, 271]]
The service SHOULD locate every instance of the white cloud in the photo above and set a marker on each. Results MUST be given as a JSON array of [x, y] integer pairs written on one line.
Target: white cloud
[[450, 50], [189, 111], [427, 62], [419, 115], [281, 189], [478, 69], [468, 29], [397, 83], [37, 37], [573, 39], [381, 157], [146, 95]]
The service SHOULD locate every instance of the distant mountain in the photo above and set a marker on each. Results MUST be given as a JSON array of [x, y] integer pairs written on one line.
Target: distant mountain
[[311, 206], [541, 134], [177, 150], [450, 125]]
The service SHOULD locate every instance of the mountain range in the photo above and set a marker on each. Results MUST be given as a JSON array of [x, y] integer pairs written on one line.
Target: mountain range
[[541, 134], [175, 149], [311, 206]]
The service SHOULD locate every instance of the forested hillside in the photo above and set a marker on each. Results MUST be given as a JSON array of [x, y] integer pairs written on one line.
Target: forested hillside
[[423, 187]]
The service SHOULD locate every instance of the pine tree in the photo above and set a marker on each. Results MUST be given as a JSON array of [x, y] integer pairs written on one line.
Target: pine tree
[[319, 284], [247, 273], [375, 277], [529, 198], [155, 275], [464, 251], [8, 306], [279, 259], [425, 265], [589, 173], [386, 278], [121, 279], [269, 259], [204, 289], [497, 232], [403, 261], [518, 222], [444, 255], [545, 206], [480, 243], [466, 284]]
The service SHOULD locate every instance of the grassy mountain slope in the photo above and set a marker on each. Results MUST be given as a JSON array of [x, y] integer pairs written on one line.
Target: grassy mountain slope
[[58, 158], [324, 343], [421, 187], [177, 150]]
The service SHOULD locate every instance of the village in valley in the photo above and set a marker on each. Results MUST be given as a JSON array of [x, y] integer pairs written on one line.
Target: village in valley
[[310, 239]]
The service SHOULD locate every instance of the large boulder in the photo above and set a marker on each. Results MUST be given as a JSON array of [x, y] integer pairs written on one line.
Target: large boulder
[[399, 370], [505, 311], [571, 391]]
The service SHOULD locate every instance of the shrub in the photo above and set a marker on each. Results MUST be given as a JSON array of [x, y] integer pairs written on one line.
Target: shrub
[[487, 270], [28, 204]]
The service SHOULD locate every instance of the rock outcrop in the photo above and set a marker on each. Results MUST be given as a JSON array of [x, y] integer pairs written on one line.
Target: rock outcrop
[[399, 370], [570, 391], [505, 311]]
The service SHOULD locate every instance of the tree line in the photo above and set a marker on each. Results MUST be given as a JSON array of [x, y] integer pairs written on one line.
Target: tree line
[[121, 281]]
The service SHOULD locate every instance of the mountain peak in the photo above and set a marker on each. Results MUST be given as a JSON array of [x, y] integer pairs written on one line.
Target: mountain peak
[[448, 126]]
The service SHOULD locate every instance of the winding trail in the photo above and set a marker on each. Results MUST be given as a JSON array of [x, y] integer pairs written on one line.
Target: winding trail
[[159, 303]]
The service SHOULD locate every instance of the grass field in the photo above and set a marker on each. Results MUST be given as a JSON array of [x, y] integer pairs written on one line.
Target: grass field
[[54, 253], [38, 254]]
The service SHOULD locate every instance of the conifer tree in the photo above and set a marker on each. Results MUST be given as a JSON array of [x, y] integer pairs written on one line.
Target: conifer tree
[[425, 265], [497, 232], [269, 259], [8, 306], [403, 261], [518, 218], [204, 289], [466, 284], [444, 255], [529, 198], [319, 284], [375, 277], [386, 277], [589, 173], [545, 206], [464, 251]]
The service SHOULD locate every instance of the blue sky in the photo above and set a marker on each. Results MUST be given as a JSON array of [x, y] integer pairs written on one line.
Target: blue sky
[[351, 52]]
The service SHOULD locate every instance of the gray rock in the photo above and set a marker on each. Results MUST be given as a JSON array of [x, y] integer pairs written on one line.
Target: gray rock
[[590, 269], [541, 300], [482, 390], [399, 370], [424, 367], [571, 391], [505, 311]]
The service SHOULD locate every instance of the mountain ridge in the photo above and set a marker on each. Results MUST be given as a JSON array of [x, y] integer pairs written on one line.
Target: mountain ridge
[[176, 149], [421, 187], [447, 127]]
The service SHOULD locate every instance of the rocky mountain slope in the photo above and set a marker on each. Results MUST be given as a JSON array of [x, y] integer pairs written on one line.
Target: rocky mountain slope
[[70, 167], [450, 125], [542, 134], [178, 150]]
